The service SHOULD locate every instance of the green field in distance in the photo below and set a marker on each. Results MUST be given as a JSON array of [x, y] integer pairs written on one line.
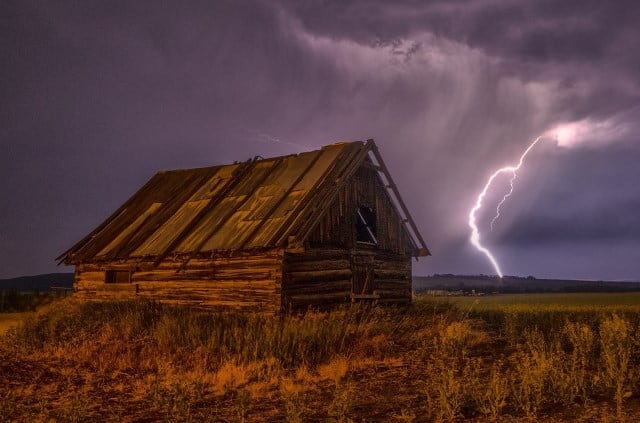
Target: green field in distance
[[578, 301]]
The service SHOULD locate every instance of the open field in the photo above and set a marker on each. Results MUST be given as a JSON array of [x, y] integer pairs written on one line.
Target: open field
[[504, 358], [572, 301], [514, 284], [9, 320]]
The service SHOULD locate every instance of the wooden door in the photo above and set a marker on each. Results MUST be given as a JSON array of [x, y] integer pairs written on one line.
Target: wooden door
[[362, 274]]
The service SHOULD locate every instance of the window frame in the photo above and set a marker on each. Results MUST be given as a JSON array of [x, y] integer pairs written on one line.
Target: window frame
[[370, 228], [111, 276]]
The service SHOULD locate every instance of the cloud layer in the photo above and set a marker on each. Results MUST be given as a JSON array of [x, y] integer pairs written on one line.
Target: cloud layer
[[100, 95]]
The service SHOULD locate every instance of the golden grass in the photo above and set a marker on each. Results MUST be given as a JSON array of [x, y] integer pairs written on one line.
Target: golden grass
[[11, 320], [432, 361]]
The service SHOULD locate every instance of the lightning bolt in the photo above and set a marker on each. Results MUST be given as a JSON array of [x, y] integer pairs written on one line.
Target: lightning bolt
[[475, 233], [507, 195]]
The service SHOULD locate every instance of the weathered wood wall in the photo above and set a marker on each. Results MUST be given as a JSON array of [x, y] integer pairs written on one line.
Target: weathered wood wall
[[392, 277], [246, 280], [322, 277], [337, 228], [316, 278]]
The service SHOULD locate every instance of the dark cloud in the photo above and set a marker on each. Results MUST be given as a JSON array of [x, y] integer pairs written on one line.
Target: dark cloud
[[97, 96], [588, 47], [610, 224], [539, 31]]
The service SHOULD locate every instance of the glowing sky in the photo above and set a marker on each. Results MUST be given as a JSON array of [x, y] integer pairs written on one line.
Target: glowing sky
[[99, 95]]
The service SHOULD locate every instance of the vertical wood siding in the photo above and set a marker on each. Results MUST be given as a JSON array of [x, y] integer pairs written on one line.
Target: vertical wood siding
[[337, 228]]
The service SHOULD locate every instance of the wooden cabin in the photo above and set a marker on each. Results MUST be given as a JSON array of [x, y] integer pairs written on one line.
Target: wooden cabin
[[279, 234]]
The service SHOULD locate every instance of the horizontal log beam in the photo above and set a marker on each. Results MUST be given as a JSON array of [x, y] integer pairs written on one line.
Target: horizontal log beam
[[319, 275]]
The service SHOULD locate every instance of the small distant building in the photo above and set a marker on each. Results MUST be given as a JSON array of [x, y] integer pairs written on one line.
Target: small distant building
[[271, 235]]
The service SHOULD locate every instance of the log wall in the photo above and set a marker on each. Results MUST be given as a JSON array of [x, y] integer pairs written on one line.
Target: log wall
[[250, 281], [319, 278], [269, 282], [316, 278], [392, 277]]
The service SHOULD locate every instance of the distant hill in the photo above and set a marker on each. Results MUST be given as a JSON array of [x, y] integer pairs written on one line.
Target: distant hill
[[38, 282], [484, 283], [449, 282]]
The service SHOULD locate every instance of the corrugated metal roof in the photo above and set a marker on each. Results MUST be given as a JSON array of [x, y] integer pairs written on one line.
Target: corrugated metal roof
[[258, 203]]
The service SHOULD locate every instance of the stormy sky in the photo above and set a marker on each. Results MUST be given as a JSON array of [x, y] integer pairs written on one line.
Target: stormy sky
[[96, 96]]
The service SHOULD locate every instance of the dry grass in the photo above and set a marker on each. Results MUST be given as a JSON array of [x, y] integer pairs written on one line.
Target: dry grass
[[11, 320], [143, 361]]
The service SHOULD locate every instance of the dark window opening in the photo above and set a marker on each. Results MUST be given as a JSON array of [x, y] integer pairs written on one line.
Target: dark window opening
[[118, 276], [366, 228]]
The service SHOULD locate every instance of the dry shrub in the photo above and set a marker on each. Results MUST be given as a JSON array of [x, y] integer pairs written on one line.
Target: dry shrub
[[580, 364], [377, 347], [74, 411], [341, 402], [455, 339], [445, 390], [8, 407], [335, 370], [292, 395], [303, 374], [175, 394], [406, 415], [528, 381], [230, 376], [616, 345], [531, 372], [491, 396], [342, 398], [242, 402], [268, 370]]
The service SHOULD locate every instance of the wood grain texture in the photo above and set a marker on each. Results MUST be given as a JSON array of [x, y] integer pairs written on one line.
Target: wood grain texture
[[250, 282], [320, 277]]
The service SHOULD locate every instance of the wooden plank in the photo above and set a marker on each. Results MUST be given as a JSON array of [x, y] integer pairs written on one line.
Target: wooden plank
[[392, 185], [311, 265], [101, 286], [341, 286], [318, 254], [314, 298], [91, 276], [364, 296], [319, 275]]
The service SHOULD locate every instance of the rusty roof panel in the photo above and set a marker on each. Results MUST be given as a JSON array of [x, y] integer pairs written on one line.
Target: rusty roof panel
[[126, 232], [257, 203], [265, 200], [168, 231], [309, 170], [315, 203], [161, 239], [176, 195], [157, 190]]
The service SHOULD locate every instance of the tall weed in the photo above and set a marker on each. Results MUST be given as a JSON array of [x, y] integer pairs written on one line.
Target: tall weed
[[616, 343], [580, 365]]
